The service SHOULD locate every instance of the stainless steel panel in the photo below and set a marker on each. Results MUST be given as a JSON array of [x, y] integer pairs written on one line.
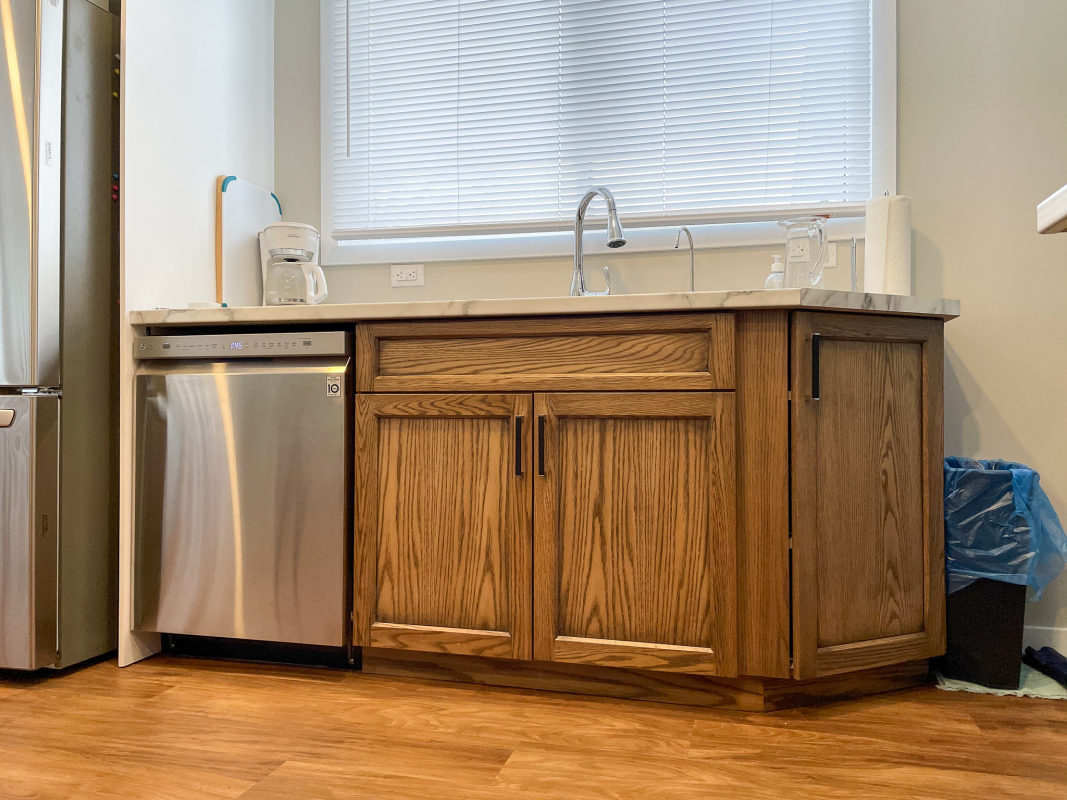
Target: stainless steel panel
[[49, 192], [18, 128], [29, 471], [242, 345], [88, 555], [240, 516], [31, 35]]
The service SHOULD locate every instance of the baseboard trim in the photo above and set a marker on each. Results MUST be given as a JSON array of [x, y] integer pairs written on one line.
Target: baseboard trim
[[1037, 636]]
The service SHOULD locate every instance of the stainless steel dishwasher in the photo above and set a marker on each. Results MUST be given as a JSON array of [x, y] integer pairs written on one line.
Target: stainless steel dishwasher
[[241, 501]]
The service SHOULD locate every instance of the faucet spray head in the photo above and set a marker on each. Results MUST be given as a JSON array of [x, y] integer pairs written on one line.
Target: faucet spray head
[[616, 238]]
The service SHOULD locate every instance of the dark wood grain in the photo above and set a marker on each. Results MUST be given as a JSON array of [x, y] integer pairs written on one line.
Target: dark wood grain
[[763, 492], [867, 550], [633, 536], [442, 512], [869, 502], [620, 681], [605, 354], [634, 531], [694, 660], [835, 659], [659, 352], [443, 533], [440, 639]]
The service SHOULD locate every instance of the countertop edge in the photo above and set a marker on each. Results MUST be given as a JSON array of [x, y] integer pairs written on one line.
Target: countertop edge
[[555, 306]]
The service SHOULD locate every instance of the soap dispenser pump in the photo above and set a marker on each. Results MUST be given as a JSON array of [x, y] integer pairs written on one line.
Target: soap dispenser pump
[[777, 276]]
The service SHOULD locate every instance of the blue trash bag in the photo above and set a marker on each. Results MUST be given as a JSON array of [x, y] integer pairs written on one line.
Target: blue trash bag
[[999, 524]]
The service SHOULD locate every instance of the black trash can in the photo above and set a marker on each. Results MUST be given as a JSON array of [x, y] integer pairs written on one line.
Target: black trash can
[[1001, 536], [984, 624]]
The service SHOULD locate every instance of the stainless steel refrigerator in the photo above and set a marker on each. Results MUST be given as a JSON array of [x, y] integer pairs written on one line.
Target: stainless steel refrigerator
[[58, 252]]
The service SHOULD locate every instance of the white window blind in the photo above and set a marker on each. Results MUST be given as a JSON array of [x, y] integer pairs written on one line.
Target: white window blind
[[494, 116]]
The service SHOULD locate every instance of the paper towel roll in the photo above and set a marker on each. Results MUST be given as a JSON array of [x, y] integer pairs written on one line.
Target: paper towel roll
[[887, 246]]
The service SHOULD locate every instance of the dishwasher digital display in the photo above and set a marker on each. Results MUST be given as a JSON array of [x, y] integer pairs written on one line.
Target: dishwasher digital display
[[244, 345]]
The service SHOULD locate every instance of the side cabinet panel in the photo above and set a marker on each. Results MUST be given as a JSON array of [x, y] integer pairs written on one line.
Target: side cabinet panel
[[763, 493], [868, 560]]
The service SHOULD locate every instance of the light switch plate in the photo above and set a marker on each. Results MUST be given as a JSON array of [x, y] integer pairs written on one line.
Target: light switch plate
[[406, 275]]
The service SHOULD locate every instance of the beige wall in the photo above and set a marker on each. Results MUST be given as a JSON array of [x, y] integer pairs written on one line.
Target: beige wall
[[982, 138]]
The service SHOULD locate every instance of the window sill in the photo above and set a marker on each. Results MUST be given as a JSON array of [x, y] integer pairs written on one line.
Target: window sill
[[560, 244]]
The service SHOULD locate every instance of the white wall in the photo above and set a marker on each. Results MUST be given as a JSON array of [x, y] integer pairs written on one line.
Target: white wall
[[197, 102], [199, 91], [982, 139]]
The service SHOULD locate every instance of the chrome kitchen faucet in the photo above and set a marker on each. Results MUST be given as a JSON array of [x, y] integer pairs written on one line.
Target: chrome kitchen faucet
[[678, 241], [615, 239]]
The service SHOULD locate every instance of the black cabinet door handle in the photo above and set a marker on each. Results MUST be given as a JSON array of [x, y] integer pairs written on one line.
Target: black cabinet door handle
[[541, 445], [518, 445], [815, 339]]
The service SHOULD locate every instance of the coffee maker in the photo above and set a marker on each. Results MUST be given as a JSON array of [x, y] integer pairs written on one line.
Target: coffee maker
[[291, 275]]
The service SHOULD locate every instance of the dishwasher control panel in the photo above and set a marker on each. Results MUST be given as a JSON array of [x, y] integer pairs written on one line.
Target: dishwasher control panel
[[242, 345]]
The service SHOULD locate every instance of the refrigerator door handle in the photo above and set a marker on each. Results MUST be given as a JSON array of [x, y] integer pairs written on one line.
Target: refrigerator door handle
[[7, 417]]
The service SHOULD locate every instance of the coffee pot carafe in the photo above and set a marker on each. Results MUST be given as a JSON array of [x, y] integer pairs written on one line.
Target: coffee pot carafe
[[291, 282], [291, 275]]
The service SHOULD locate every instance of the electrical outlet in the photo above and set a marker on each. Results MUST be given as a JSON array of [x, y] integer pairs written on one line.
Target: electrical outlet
[[798, 249], [831, 255], [406, 275]]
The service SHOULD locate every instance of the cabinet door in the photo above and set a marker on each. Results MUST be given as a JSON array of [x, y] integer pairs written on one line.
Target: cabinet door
[[868, 542], [443, 527], [635, 557]]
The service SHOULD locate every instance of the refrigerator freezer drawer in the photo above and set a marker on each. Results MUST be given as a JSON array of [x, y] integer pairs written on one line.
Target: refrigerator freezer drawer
[[241, 499], [29, 511]]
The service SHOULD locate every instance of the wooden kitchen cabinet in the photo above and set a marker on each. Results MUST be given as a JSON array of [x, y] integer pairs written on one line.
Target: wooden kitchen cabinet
[[634, 560], [443, 524], [868, 535], [681, 507]]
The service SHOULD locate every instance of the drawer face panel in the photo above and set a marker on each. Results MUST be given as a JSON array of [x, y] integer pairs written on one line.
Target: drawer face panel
[[660, 352]]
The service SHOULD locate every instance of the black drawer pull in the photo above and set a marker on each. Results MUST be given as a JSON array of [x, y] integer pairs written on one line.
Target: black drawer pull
[[518, 445], [815, 339], [541, 445]]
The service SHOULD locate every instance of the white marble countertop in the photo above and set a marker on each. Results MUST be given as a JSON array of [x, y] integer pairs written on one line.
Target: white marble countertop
[[534, 306]]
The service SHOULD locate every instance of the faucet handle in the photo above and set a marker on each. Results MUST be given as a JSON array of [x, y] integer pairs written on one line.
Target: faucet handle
[[607, 291]]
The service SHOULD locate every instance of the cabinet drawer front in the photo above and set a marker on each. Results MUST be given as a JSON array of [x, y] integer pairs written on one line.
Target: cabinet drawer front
[[649, 352]]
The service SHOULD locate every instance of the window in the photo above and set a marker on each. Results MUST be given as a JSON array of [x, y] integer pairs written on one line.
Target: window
[[480, 117]]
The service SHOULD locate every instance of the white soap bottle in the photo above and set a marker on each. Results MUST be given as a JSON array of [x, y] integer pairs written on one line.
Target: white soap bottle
[[777, 276]]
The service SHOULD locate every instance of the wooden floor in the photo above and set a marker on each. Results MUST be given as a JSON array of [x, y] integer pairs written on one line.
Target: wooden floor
[[187, 729]]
